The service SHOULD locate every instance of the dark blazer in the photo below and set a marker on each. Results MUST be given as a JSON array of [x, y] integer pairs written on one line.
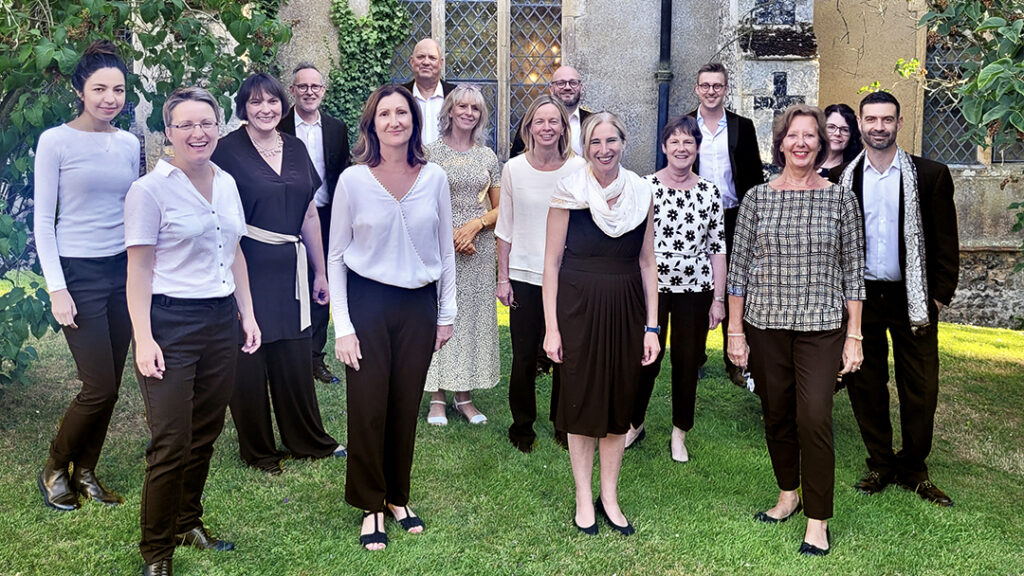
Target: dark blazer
[[744, 155], [938, 219], [518, 146], [336, 153]]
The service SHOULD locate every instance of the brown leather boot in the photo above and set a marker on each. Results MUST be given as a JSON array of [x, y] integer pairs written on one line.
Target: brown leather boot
[[55, 484], [163, 567], [84, 480]]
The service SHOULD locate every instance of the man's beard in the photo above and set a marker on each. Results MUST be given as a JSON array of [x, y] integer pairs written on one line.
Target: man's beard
[[890, 139]]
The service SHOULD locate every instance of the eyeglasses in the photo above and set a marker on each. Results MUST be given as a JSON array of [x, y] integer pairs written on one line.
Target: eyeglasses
[[705, 87], [564, 83], [206, 126], [314, 88], [833, 129]]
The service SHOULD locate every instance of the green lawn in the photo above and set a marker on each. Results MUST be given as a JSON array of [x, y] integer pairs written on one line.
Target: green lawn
[[491, 510]]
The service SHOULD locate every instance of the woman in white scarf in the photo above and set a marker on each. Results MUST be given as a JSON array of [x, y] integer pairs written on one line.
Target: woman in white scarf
[[600, 310]]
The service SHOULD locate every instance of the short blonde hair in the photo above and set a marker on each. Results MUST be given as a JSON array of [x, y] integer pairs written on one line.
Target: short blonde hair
[[189, 94], [781, 127], [592, 122], [564, 149], [456, 96]]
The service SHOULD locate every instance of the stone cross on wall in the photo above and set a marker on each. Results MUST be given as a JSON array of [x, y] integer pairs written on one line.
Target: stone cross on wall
[[780, 98]]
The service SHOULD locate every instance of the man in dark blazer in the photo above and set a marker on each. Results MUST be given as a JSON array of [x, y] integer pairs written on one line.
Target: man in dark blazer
[[427, 87], [326, 139], [567, 86], [904, 296], [725, 134]]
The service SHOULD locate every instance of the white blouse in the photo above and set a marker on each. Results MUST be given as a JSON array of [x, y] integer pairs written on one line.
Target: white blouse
[[194, 240], [523, 214], [406, 243]]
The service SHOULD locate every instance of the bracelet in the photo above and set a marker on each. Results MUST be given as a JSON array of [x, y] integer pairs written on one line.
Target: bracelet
[[503, 282], [483, 222], [737, 334], [857, 337], [719, 298]]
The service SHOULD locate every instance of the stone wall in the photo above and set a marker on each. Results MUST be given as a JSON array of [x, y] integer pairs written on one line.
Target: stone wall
[[989, 293]]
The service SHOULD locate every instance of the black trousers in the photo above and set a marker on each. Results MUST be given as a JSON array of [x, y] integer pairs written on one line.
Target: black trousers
[[916, 359], [99, 346], [185, 413], [730, 229], [320, 315], [526, 327], [688, 314], [279, 373], [396, 328], [796, 377]]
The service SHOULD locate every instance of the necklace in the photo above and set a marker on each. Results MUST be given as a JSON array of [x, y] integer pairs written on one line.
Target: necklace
[[270, 151]]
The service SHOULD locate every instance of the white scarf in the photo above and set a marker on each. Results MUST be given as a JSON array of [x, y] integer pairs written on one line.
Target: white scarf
[[581, 190], [914, 275]]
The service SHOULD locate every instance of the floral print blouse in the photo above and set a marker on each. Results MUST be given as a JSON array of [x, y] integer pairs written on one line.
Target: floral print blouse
[[689, 227]]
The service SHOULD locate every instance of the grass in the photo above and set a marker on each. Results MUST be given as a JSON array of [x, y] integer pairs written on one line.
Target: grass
[[491, 510]]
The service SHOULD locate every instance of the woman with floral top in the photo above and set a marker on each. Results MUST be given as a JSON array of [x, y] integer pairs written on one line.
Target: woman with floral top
[[689, 243]]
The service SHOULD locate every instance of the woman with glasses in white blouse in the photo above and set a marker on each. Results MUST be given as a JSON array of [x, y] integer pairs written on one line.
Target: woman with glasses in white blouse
[[391, 270]]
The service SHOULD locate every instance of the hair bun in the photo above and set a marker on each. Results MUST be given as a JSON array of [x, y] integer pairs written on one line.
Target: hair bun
[[101, 47]]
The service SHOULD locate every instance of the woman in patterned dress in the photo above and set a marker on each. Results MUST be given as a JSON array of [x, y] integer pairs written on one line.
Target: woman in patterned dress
[[689, 241], [470, 361]]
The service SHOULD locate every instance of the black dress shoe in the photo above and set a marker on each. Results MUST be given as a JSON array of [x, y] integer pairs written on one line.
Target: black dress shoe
[[736, 376], [764, 517], [323, 374], [85, 481], [199, 537], [808, 549], [55, 484], [626, 530], [928, 491], [159, 568], [589, 530], [872, 483]]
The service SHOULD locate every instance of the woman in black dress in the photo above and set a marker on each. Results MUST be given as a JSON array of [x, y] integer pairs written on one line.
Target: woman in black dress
[[600, 310], [276, 181]]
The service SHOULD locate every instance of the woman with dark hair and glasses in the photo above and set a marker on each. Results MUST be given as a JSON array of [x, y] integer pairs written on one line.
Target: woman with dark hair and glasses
[[276, 182], [844, 142], [82, 172], [392, 270]]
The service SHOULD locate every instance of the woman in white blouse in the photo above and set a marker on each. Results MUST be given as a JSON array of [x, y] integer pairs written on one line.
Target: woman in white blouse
[[187, 289], [689, 242], [82, 172], [527, 182], [391, 269]]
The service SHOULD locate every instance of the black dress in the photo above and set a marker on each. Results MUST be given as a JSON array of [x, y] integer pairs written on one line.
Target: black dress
[[601, 316]]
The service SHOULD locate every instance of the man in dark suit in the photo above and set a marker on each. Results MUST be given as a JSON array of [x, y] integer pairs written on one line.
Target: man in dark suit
[[912, 268], [427, 87], [326, 139], [730, 158], [567, 86]]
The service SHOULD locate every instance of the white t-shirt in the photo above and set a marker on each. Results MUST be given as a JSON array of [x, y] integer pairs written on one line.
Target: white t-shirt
[[406, 243], [194, 240], [81, 179], [523, 214]]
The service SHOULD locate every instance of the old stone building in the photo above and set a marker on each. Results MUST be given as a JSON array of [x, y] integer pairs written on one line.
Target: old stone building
[[778, 51]]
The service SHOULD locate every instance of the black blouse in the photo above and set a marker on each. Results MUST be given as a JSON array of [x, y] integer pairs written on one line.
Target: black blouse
[[277, 203]]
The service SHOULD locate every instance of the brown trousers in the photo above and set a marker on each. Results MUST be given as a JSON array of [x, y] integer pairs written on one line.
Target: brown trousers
[[396, 328], [795, 374]]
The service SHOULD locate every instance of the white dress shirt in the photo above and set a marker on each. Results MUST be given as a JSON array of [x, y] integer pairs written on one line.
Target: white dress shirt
[[430, 111], [523, 214], [406, 243], [194, 240], [714, 159], [882, 221], [312, 135], [575, 135]]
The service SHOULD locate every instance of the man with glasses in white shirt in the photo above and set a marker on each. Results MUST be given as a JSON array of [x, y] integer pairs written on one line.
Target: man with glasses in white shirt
[[567, 86], [326, 139]]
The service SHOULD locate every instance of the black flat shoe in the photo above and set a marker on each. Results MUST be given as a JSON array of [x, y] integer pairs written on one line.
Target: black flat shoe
[[409, 522], [589, 530], [764, 517], [626, 530], [376, 537], [808, 549]]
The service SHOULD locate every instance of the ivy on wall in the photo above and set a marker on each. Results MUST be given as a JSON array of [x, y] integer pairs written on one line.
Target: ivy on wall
[[366, 46]]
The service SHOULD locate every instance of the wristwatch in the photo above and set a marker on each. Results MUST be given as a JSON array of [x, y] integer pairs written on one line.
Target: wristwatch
[[652, 329]]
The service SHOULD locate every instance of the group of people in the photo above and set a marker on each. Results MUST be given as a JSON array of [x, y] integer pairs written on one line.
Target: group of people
[[218, 264]]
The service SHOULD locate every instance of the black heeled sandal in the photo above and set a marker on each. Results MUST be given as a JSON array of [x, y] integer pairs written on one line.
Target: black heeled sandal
[[376, 537]]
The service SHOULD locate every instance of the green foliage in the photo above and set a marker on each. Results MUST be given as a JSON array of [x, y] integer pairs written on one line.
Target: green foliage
[[177, 44], [366, 46]]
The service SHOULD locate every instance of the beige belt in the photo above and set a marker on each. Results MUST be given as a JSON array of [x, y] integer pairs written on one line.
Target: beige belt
[[301, 266]]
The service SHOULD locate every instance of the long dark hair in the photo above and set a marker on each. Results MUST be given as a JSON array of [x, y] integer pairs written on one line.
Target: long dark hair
[[855, 144], [99, 54], [367, 148]]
